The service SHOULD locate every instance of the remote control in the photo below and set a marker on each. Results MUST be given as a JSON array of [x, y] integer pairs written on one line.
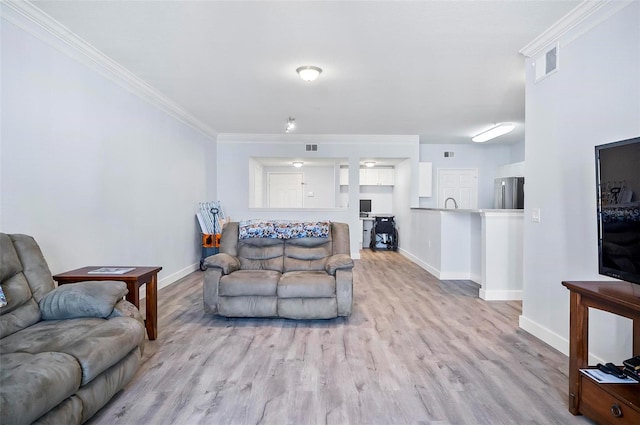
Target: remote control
[[615, 371]]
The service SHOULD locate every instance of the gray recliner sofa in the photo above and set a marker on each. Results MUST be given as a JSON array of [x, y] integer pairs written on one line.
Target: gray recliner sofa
[[64, 351], [297, 278]]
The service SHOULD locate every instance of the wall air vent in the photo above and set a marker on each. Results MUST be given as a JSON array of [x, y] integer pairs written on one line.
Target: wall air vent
[[547, 63], [312, 148], [448, 154]]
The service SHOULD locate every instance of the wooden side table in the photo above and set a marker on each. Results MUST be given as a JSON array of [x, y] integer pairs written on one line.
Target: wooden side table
[[134, 279], [604, 403]]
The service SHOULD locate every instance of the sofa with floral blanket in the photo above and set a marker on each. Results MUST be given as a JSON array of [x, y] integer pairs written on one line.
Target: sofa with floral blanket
[[295, 270]]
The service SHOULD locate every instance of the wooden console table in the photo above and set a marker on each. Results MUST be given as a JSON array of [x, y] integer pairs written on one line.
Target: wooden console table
[[604, 403], [134, 279]]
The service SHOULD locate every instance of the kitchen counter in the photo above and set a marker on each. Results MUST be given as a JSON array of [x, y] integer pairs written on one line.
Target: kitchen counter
[[483, 245], [483, 210]]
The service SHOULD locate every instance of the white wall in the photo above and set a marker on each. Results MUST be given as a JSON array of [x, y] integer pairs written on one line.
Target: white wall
[[234, 152], [321, 181], [594, 98], [485, 158], [516, 152], [401, 201], [381, 197], [97, 175]]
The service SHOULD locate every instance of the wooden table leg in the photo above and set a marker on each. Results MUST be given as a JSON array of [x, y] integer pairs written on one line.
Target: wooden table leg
[[578, 348], [152, 307], [636, 338], [133, 296]]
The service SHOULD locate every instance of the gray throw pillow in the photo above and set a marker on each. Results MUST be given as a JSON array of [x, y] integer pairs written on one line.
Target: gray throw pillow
[[83, 299]]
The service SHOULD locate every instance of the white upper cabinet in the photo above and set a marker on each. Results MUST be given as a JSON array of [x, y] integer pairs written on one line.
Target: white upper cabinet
[[377, 177], [425, 183], [386, 177], [344, 177]]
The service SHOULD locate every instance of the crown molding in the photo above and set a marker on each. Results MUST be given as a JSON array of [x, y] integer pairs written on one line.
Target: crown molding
[[30, 18], [572, 19], [327, 139]]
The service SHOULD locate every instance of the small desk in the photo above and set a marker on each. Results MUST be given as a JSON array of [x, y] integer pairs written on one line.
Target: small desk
[[134, 279]]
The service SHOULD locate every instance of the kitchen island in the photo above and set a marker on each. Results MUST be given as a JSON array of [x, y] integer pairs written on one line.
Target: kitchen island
[[483, 245]]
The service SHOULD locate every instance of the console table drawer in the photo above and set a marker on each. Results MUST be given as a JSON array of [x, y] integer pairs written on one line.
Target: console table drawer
[[603, 407]]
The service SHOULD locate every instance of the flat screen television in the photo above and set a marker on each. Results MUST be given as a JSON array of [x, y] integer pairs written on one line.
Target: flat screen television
[[618, 192]]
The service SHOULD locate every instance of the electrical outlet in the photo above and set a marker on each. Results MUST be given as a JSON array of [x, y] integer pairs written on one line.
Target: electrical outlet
[[535, 215]]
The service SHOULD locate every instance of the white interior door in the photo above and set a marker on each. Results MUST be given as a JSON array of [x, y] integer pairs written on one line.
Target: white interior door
[[459, 184], [285, 190]]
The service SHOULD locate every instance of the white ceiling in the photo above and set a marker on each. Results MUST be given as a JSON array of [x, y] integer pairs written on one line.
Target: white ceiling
[[444, 70]]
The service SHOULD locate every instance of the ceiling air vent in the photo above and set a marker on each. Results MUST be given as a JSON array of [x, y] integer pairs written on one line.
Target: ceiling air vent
[[547, 63], [312, 148]]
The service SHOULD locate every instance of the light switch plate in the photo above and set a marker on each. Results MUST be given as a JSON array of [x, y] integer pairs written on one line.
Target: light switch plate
[[535, 215]]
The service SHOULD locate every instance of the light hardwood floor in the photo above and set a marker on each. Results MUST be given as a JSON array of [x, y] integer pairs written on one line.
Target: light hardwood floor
[[415, 350]]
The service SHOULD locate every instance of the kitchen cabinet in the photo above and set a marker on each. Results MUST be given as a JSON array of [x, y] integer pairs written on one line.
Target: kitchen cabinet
[[344, 177], [425, 179], [377, 177]]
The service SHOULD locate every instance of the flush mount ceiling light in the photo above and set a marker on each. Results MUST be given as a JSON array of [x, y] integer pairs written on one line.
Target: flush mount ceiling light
[[298, 164], [493, 132], [291, 124], [369, 163], [308, 72]]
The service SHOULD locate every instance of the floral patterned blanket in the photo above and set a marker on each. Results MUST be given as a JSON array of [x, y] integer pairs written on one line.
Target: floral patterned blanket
[[283, 229]]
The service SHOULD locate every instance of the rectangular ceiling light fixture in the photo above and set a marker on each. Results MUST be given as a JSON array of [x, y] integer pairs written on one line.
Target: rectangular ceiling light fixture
[[493, 132]]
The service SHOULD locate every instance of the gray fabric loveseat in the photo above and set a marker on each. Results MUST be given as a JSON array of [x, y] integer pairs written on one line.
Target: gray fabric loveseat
[[65, 351], [295, 274]]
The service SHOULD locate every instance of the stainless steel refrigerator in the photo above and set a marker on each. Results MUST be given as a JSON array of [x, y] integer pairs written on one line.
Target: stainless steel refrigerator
[[509, 193]]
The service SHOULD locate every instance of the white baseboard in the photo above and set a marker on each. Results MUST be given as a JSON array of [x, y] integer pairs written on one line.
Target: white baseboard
[[500, 295], [553, 339], [168, 280], [421, 263], [454, 276], [434, 271]]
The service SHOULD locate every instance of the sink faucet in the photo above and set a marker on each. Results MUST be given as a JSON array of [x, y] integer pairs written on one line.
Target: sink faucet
[[455, 204]]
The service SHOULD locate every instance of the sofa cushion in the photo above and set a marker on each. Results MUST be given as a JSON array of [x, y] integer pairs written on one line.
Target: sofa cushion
[[34, 266], [83, 299], [306, 254], [8, 258], [249, 306], [261, 254], [249, 282], [97, 344], [306, 284], [307, 308], [33, 384], [21, 310]]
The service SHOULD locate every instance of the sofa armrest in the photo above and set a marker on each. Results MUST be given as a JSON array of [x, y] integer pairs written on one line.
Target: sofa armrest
[[124, 308], [344, 291], [227, 263], [338, 262], [82, 299], [210, 289]]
